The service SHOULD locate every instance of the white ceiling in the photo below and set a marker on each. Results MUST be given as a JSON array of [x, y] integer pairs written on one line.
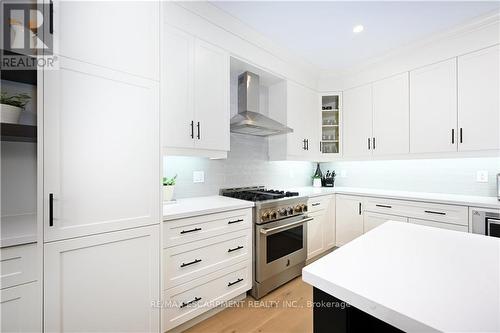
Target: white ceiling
[[321, 32]]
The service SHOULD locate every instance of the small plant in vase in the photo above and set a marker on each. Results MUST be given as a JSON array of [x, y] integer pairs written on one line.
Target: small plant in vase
[[12, 106], [168, 188]]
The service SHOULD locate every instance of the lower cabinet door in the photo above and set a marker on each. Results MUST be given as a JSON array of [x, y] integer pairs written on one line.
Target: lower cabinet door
[[315, 244], [373, 220], [440, 225], [329, 226], [21, 308], [106, 282], [348, 218]]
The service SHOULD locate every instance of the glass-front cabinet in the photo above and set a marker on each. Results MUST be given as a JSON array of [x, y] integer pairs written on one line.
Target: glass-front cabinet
[[330, 124]]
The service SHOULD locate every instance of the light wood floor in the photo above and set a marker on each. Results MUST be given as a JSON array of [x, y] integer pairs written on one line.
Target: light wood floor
[[283, 310]]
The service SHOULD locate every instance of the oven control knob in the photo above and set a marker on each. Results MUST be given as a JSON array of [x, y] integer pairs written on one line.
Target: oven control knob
[[289, 211], [298, 208], [282, 212], [304, 207], [273, 215], [265, 216]]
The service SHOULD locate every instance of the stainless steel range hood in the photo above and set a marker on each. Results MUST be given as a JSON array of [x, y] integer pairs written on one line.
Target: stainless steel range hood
[[249, 120]]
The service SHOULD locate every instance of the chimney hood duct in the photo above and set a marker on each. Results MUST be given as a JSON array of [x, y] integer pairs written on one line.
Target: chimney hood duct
[[249, 120]]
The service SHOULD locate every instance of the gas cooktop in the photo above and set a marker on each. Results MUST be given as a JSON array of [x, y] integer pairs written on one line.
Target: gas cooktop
[[257, 194]]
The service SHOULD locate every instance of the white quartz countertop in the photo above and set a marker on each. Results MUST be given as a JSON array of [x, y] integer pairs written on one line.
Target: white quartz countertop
[[437, 280], [18, 230], [183, 208], [453, 199]]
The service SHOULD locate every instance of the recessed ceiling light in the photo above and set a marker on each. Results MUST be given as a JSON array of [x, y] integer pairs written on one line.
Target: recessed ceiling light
[[358, 28]]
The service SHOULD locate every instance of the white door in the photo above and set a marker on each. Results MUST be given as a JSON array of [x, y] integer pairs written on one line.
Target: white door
[[313, 124], [391, 113], [20, 308], [433, 108], [297, 108], [103, 283], [478, 100], [373, 220], [177, 83], [440, 225], [329, 226], [101, 151], [349, 218], [120, 35], [357, 121], [211, 93], [315, 244]]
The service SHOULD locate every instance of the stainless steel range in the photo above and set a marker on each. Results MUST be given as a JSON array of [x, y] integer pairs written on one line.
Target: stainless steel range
[[279, 238]]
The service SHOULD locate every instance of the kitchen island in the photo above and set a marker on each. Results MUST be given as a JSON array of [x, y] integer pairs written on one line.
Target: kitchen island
[[413, 278]]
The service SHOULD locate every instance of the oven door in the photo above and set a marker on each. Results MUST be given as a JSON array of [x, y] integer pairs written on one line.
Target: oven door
[[280, 245], [492, 227]]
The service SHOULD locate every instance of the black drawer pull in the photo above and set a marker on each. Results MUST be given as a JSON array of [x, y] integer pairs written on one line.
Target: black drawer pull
[[51, 209], [235, 249], [188, 231], [432, 212], [384, 206], [184, 304], [190, 263], [235, 221], [316, 204], [235, 282]]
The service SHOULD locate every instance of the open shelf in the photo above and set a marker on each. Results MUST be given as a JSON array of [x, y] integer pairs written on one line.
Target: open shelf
[[334, 110], [18, 132]]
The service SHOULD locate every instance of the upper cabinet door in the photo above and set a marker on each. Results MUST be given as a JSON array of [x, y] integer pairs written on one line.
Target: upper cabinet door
[[211, 91], [121, 35], [357, 118], [313, 130], [391, 116], [433, 108], [101, 151], [478, 100], [177, 89], [297, 112]]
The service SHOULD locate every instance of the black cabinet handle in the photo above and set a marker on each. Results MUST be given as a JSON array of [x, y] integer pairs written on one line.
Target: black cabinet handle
[[235, 221], [461, 136], [235, 282], [235, 249], [191, 230], [307, 144], [304, 144], [198, 127], [369, 146], [51, 209], [373, 143], [320, 148], [360, 208], [192, 129], [191, 262], [452, 136], [316, 204], [51, 17], [384, 206], [184, 304], [433, 212]]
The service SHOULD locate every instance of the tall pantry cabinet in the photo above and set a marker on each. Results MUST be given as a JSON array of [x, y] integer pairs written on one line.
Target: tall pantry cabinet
[[101, 187]]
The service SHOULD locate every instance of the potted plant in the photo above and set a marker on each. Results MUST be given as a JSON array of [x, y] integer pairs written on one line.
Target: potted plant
[[11, 107], [168, 188]]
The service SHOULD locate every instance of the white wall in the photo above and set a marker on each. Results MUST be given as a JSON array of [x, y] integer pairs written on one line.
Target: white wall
[[457, 176]]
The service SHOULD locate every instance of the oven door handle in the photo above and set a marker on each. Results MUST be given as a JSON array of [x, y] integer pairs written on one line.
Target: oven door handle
[[270, 231]]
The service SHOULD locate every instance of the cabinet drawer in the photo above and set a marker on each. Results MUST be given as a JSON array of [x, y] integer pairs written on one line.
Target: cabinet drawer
[[318, 203], [193, 260], [189, 300], [182, 231], [18, 265], [420, 210], [440, 225]]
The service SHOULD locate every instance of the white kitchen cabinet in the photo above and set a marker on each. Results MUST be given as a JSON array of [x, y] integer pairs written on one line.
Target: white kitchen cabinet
[[101, 151], [329, 227], [20, 308], [119, 35], [391, 116], [433, 108], [439, 225], [331, 124], [478, 101], [105, 282], [321, 230], [315, 241], [357, 122], [195, 96], [348, 218], [372, 220]]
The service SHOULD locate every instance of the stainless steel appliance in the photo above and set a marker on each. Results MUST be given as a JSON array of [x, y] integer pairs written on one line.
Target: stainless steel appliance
[[280, 236], [486, 222], [249, 120]]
